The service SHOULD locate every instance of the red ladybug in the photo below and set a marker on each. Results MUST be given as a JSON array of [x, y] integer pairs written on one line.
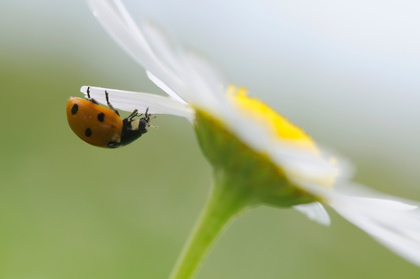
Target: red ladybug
[[103, 126]]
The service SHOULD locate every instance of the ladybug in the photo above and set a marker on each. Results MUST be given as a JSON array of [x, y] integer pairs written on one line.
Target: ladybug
[[102, 126]]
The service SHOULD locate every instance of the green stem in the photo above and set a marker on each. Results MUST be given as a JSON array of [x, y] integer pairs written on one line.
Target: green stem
[[225, 202]]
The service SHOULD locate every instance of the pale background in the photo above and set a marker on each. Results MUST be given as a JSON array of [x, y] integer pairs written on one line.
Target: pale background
[[346, 71]]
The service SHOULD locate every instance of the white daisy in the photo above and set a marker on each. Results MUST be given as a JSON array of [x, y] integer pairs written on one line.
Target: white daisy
[[251, 146]]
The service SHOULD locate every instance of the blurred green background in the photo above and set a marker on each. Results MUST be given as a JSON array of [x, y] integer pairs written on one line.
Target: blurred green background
[[69, 210]]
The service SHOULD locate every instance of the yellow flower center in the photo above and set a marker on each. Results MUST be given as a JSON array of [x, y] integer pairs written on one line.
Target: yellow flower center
[[278, 124]]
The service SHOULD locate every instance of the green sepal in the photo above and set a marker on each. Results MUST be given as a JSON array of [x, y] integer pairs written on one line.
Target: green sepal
[[256, 175]]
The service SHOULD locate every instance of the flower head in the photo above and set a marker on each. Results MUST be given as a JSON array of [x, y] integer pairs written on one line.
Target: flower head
[[252, 148]]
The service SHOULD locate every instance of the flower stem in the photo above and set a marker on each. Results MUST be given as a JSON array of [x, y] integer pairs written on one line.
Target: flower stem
[[225, 202]]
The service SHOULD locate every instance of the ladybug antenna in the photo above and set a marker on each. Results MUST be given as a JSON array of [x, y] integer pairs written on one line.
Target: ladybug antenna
[[148, 117]]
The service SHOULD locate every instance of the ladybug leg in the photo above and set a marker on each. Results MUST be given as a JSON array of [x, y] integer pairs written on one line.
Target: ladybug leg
[[147, 115], [88, 91], [133, 114], [109, 104], [89, 98]]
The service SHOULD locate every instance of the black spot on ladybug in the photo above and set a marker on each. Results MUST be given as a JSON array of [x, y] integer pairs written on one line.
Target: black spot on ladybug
[[88, 132], [101, 117], [74, 109]]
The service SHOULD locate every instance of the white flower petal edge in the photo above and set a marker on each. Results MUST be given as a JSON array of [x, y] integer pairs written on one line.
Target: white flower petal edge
[[394, 225], [129, 101], [188, 78], [116, 20], [392, 221], [314, 211], [169, 68]]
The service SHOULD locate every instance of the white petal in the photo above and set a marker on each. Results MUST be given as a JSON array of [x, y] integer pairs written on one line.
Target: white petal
[[184, 75], [393, 222], [136, 42], [301, 165], [314, 211], [203, 85], [129, 101], [164, 87]]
